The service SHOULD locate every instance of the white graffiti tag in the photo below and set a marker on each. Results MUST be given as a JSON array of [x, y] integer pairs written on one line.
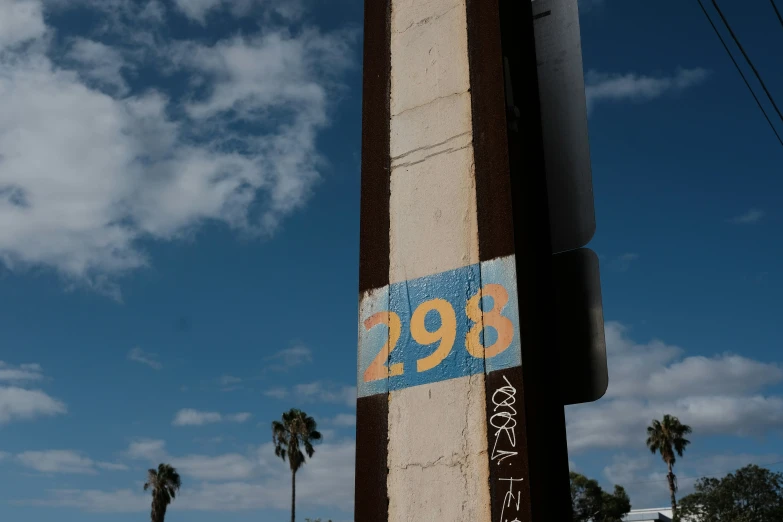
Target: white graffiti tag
[[504, 421], [509, 498]]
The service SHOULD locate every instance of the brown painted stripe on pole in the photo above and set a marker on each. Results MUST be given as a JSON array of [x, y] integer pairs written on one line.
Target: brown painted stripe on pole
[[376, 161], [490, 145], [371, 503]]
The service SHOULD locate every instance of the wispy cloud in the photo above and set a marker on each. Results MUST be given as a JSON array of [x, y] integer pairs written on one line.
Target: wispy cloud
[[140, 356], [21, 373], [18, 402], [605, 87], [230, 482], [199, 10], [65, 462], [623, 262], [191, 417], [277, 393], [100, 64], [318, 391], [751, 216], [343, 419], [230, 383], [288, 358]]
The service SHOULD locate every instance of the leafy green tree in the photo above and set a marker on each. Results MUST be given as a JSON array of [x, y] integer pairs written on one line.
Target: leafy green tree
[[164, 483], [296, 432], [590, 503], [751, 494], [667, 437]]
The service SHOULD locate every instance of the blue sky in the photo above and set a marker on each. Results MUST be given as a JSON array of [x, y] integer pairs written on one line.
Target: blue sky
[[179, 199]]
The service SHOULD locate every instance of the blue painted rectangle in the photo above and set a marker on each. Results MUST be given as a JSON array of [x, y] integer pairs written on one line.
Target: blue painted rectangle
[[452, 291]]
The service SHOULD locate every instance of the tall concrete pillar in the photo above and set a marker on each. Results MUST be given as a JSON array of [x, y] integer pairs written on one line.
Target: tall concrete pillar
[[441, 427]]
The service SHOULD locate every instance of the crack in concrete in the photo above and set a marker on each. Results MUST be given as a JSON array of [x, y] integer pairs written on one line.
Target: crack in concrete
[[425, 158], [431, 101], [426, 147], [434, 463], [427, 20]]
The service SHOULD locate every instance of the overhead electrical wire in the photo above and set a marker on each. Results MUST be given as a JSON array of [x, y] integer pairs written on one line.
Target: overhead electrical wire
[[776, 11], [722, 41], [747, 58]]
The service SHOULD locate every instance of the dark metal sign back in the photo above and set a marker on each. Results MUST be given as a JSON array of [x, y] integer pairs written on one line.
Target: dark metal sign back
[[564, 121]]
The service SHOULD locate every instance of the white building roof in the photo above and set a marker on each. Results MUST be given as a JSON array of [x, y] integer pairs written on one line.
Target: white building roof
[[649, 515]]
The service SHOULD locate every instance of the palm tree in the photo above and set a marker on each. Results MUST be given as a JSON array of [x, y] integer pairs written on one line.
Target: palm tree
[[667, 437], [296, 431], [165, 484]]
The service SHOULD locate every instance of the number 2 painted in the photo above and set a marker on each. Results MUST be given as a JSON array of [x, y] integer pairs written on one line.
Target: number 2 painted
[[446, 334]]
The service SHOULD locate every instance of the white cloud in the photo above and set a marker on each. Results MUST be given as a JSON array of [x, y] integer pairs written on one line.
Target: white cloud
[[147, 450], [21, 373], [191, 417], [751, 216], [343, 419], [715, 395], [623, 262], [111, 466], [234, 482], [94, 501], [100, 63], [64, 462], [56, 461], [20, 22], [277, 393], [87, 177], [198, 10], [140, 356], [317, 391], [223, 467], [22, 404], [644, 476], [238, 417], [325, 392], [229, 381], [634, 87], [289, 358]]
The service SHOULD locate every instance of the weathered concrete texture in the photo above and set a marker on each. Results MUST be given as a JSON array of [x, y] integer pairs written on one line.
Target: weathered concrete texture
[[437, 452], [433, 216], [429, 52], [430, 129], [432, 205]]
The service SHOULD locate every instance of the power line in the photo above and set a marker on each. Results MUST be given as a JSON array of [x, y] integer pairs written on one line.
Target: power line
[[776, 11], [739, 70], [747, 58]]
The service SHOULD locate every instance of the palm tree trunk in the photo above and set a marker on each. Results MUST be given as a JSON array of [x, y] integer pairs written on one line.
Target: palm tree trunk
[[670, 476], [293, 496]]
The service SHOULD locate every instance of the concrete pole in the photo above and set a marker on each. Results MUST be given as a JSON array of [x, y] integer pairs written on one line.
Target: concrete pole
[[443, 398]]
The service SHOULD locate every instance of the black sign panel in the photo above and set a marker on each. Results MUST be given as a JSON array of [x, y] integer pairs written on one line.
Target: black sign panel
[[564, 121]]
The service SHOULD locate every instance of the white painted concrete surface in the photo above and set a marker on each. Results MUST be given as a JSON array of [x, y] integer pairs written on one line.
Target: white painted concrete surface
[[437, 455]]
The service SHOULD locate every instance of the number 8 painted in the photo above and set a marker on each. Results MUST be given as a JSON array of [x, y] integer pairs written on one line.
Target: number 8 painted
[[491, 318]]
